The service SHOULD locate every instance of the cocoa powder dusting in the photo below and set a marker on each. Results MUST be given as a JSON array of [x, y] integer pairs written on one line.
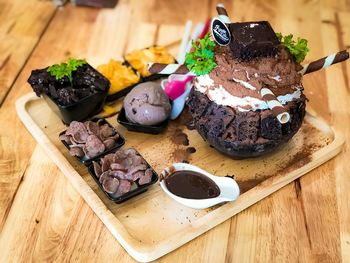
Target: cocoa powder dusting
[[191, 150], [245, 186], [279, 73], [179, 138], [301, 158], [180, 155]]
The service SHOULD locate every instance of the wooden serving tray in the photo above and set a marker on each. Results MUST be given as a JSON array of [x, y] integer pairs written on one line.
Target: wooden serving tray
[[151, 224]]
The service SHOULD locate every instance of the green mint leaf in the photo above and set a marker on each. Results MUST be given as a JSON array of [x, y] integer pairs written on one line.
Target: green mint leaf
[[298, 49], [62, 70], [201, 59]]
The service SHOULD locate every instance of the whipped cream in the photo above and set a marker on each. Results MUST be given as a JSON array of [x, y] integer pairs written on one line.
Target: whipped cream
[[245, 84], [221, 96]]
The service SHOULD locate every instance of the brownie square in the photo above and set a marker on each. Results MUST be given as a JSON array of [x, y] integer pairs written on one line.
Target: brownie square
[[252, 40]]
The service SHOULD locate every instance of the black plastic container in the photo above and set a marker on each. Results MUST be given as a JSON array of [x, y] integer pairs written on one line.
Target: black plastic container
[[79, 111], [122, 92], [77, 98], [97, 3], [87, 161], [154, 77], [136, 188], [152, 129]]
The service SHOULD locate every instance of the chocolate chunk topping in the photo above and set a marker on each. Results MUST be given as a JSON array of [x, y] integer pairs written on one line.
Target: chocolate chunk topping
[[252, 40], [86, 82]]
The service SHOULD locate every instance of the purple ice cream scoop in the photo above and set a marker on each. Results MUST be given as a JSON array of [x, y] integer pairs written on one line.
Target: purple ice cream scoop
[[147, 104]]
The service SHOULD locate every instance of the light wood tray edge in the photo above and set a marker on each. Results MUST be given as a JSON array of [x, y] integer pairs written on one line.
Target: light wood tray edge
[[148, 252]]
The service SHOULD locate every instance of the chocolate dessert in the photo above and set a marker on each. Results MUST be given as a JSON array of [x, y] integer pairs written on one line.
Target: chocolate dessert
[[118, 171], [228, 106], [90, 139], [253, 40], [247, 96], [67, 87], [73, 90]]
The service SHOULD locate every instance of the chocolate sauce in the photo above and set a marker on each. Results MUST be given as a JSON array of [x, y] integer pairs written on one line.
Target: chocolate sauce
[[192, 185]]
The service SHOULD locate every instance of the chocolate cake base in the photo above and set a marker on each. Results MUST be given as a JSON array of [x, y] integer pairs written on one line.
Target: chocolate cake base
[[243, 134]]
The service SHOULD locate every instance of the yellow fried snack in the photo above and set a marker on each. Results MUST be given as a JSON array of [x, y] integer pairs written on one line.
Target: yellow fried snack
[[139, 59], [119, 75]]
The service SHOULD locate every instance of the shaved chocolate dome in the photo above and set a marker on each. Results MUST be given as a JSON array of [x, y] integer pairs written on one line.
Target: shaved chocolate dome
[[226, 105]]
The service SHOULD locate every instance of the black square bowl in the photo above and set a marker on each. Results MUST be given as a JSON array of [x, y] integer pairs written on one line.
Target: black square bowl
[[80, 110], [152, 129], [136, 189], [87, 161], [122, 92]]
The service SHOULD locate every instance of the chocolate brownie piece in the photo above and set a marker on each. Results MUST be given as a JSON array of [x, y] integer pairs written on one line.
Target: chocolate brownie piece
[[271, 128], [86, 81], [252, 40], [246, 125], [243, 134]]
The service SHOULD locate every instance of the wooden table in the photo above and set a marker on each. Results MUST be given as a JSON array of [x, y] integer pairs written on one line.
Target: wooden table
[[42, 218]]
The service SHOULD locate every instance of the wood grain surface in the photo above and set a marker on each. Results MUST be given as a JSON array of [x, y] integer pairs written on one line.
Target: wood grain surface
[[42, 218]]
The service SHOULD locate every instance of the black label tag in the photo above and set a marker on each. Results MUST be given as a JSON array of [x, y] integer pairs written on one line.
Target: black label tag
[[220, 32]]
